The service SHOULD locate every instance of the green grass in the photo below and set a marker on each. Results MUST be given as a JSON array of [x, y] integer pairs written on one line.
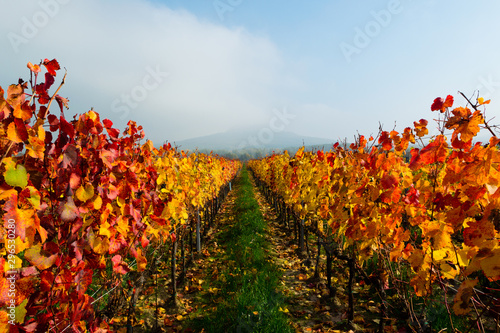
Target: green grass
[[247, 299]]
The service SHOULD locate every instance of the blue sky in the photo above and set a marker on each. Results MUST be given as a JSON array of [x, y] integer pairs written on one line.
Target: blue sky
[[184, 69]]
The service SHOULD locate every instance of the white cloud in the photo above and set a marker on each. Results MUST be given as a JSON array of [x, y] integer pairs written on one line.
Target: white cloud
[[217, 77]]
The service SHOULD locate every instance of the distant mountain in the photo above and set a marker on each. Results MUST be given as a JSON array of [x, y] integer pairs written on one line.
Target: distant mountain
[[251, 139]]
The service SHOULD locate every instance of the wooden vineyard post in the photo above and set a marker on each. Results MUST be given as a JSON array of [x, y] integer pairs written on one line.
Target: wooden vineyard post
[[191, 246], [316, 268], [301, 236], [183, 255], [174, 280], [198, 236], [350, 315]]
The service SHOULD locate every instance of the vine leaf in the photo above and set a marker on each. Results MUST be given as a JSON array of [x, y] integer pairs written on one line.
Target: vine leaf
[[463, 296], [16, 175], [40, 258]]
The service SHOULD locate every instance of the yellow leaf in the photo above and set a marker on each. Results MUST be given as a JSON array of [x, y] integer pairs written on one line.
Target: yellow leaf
[[18, 263], [4, 322], [491, 265], [39, 257], [85, 193], [104, 230], [97, 203], [122, 225], [481, 101], [99, 245], [36, 147], [448, 271], [442, 238], [20, 245], [463, 296]]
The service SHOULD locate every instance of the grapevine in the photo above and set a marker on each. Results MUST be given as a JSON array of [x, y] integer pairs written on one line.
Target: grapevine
[[85, 206], [433, 212]]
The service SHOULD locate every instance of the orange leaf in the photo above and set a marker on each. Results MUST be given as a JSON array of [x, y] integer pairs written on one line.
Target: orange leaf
[[16, 131], [141, 261], [435, 151], [421, 127], [23, 111], [34, 68], [39, 257], [23, 217], [481, 101]]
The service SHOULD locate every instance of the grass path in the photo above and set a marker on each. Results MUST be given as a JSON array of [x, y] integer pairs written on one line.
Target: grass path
[[240, 281]]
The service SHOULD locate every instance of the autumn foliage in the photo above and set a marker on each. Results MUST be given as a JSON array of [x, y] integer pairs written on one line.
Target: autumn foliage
[[83, 199], [435, 211]]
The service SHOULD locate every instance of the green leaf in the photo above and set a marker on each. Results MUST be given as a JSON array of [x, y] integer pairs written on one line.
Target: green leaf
[[21, 312], [16, 176]]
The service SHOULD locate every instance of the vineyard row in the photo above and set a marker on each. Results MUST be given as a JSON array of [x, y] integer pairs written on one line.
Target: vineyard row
[[86, 208], [423, 227]]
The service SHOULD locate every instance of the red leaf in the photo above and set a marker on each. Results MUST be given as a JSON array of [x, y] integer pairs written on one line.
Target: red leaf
[[115, 244], [61, 101], [51, 65], [49, 81], [21, 129], [46, 280], [119, 266], [144, 241], [434, 152], [437, 105], [441, 105], [43, 96], [67, 127], [385, 140], [389, 181], [448, 103], [70, 156], [107, 123], [53, 122], [113, 132], [42, 112]]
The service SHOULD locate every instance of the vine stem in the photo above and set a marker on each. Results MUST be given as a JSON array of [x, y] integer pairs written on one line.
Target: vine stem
[[475, 108], [40, 120]]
